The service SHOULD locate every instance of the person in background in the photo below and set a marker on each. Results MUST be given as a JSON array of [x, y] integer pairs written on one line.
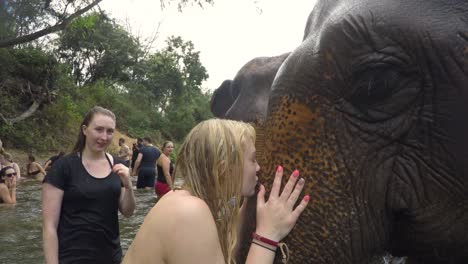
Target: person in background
[[82, 195], [8, 162], [145, 165], [48, 164], [34, 169], [165, 169], [8, 185], [2, 152], [218, 166], [135, 150], [124, 152]]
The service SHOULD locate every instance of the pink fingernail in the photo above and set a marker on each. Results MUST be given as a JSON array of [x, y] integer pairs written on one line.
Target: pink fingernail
[[296, 173], [279, 169], [306, 198]]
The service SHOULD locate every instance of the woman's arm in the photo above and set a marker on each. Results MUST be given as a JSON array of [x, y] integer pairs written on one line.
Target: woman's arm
[[275, 219], [127, 202], [51, 204], [17, 169], [137, 164], [39, 167], [6, 194], [165, 164], [47, 164]]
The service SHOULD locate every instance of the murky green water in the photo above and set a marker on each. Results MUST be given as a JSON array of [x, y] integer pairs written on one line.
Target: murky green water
[[21, 225]]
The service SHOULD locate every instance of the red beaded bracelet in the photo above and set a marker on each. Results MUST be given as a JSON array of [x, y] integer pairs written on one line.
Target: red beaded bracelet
[[264, 240]]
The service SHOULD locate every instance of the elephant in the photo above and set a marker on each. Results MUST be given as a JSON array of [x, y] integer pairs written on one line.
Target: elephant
[[250, 88], [372, 109]]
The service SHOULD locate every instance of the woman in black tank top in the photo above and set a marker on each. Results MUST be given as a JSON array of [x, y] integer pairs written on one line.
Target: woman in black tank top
[[82, 195], [165, 168]]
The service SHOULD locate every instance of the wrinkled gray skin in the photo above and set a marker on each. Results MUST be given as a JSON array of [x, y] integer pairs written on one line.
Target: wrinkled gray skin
[[246, 97], [372, 108]]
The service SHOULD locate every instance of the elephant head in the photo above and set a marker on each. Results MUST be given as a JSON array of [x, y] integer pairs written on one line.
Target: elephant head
[[372, 108], [246, 97]]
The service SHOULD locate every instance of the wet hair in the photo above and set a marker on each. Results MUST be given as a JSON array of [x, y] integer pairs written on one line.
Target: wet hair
[[139, 140], [148, 139], [3, 172], [210, 163], [81, 141]]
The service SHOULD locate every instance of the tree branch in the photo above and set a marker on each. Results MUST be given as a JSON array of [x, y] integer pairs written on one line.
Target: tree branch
[[30, 37], [23, 116]]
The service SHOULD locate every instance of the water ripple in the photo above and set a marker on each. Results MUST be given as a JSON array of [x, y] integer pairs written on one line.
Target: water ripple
[[21, 225]]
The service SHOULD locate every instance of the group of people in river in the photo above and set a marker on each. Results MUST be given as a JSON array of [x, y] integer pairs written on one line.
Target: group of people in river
[[83, 192], [10, 173], [152, 166]]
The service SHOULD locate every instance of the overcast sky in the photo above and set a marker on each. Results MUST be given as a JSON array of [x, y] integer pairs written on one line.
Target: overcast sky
[[227, 34]]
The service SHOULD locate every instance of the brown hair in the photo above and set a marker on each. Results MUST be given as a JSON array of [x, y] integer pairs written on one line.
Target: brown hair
[[81, 141], [3, 172], [165, 144], [31, 157], [211, 163]]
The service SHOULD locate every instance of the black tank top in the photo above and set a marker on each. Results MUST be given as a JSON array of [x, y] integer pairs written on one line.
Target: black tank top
[[88, 229], [161, 177]]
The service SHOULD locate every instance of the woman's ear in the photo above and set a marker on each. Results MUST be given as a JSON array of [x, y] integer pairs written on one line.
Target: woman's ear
[[83, 129]]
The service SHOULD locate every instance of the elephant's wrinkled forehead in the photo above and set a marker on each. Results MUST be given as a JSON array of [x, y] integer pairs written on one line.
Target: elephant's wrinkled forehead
[[401, 20]]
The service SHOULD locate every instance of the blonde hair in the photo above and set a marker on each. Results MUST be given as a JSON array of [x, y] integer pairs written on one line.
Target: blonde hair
[[211, 163]]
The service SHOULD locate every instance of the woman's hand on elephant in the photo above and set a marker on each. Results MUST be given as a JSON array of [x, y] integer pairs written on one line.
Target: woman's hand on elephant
[[277, 216]]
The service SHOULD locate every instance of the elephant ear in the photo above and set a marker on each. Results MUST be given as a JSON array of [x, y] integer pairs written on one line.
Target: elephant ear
[[222, 99]]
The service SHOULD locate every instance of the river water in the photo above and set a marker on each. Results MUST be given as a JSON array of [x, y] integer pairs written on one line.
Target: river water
[[21, 225]]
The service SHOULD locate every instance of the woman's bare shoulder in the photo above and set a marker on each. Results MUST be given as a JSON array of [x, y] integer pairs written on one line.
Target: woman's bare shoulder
[[181, 227], [181, 205]]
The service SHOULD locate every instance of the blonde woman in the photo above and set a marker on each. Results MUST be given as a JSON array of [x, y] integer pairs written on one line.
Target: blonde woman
[[218, 165]]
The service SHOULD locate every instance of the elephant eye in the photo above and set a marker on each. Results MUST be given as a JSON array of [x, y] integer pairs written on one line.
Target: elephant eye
[[383, 92]]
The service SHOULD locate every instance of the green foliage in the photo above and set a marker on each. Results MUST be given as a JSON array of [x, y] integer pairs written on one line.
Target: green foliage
[[26, 75], [96, 62], [98, 48], [20, 17]]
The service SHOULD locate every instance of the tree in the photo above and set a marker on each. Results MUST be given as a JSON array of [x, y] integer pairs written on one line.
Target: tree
[[51, 16], [172, 72], [27, 79], [98, 48], [23, 13]]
